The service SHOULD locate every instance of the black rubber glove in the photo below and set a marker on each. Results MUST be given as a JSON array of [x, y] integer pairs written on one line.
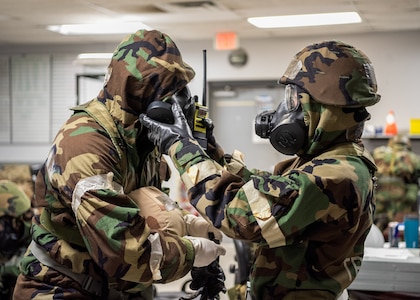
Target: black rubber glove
[[213, 148], [164, 135], [208, 281]]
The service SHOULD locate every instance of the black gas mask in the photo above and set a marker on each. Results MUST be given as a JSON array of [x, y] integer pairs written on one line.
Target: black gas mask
[[161, 111], [195, 114], [284, 126]]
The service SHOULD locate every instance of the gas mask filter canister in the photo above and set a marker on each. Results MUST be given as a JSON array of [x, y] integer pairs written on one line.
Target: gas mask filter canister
[[284, 127]]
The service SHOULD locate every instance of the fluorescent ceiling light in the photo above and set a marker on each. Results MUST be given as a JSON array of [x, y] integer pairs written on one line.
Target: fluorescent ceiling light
[[98, 28], [306, 20], [94, 56]]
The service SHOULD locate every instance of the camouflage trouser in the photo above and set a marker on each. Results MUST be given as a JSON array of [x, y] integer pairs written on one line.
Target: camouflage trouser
[[62, 287], [44, 278]]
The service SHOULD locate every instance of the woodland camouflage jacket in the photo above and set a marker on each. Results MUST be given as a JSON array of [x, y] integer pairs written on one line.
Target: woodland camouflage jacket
[[100, 155], [310, 218]]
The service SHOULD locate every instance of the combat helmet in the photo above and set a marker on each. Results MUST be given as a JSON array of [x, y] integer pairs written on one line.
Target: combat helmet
[[13, 201], [334, 73], [400, 141]]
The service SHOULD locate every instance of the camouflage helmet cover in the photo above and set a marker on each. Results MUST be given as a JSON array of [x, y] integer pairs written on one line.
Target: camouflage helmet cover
[[401, 141], [13, 201], [334, 73]]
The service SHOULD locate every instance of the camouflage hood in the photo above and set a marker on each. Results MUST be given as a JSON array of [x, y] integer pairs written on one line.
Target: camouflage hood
[[330, 125], [336, 82], [145, 66]]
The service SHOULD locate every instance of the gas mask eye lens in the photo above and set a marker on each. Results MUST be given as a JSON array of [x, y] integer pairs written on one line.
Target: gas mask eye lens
[[291, 97]]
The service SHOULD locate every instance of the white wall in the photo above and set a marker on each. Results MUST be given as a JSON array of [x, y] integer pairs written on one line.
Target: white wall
[[394, 56]]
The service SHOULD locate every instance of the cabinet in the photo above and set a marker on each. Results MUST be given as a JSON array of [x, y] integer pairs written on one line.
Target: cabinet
[[373, 142]]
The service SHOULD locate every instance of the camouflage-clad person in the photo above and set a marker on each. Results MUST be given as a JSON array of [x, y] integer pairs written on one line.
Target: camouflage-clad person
[[312, 215], [15, 222], [398, 173], [91, 240]]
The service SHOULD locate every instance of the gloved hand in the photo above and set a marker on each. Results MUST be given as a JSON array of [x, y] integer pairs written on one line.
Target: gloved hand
[[210, 279], [214, 151], [164, 135], [206, 251], [197, 226]]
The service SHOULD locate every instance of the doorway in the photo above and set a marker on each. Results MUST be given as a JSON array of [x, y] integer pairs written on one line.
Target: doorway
[[233, 107]]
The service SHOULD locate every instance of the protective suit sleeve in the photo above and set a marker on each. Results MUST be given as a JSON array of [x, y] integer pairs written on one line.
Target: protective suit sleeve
[[121, 234], [197, 226], [160, 211], [271, 209]]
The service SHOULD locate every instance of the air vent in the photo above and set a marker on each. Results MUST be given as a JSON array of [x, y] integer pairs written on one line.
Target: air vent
[[193, 4], [129, 8], [138, 9]]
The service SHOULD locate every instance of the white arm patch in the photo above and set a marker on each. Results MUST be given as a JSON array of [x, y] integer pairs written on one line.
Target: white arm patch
[[155, 256], [261, 210], [103, 181]]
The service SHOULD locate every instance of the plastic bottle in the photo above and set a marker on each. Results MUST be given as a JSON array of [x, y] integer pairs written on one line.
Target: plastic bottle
[[391, 126]]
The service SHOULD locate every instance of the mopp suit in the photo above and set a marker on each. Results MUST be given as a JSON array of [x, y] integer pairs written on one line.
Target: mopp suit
[[91, 239], [310, 217]]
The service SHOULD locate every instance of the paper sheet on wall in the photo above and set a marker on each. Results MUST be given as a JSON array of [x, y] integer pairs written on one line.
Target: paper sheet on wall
[[30, 98]]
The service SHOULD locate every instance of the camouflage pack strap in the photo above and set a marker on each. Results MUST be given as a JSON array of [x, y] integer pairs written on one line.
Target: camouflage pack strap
[[392, 163], [88, 283], [97, 111], [100, 114]]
